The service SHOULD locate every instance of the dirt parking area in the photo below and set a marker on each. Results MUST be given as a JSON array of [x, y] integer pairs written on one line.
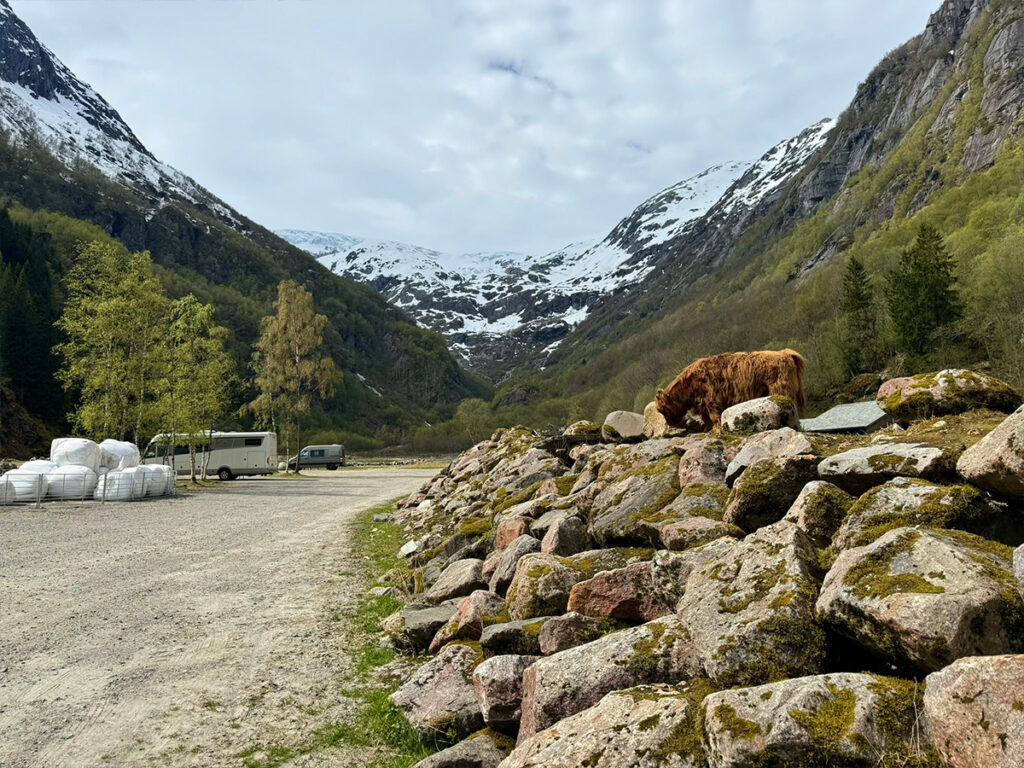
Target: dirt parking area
[[180, 631]]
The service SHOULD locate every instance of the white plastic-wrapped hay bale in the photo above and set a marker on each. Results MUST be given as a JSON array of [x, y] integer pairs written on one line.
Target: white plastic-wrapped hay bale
[[160, 479], [118, 454], [70, 451], [72, 481], [28, 481], [7, 493], [139, 479], [114, 485]]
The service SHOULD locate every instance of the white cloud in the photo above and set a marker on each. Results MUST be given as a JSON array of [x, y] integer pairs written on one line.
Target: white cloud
[[470, 125]]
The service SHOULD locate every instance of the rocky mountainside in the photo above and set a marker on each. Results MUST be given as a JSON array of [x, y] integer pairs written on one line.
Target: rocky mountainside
[[504, 310], [932, 135], [724, 600], [63, 148]]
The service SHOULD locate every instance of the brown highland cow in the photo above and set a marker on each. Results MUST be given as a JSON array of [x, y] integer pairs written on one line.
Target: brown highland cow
[[708, 386]]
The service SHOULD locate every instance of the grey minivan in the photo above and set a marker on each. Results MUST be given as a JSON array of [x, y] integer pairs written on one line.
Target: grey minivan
[[327, 456]]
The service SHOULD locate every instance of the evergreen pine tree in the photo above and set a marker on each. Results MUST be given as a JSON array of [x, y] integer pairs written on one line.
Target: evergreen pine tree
[[858, 318], [920, 294]]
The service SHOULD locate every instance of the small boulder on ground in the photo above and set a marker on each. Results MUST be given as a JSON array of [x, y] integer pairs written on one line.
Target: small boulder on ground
[[514, 637], [824, 720], [505, 569], [819, 510], [509, 529], [921, 599], [996, 462], [859, 469], [954, 390], [572, 680], [498, 682], [975, 712], [457, 580], [412, 627], [567, 631], [767, 489], [540, 587], [639, 592], [623, 426], [761, 414], [484, 749], [468, 621], [704, 459], [694, 531], [652, 726], [567, 536], [439, 700], [772, 444]]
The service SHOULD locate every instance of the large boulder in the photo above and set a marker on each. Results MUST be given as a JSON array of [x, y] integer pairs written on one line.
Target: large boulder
[[655, 726], [773, 444], [457, 580], [749, 606], [920, 598], [498, 682], [954, 390], [505, 568], [567, 536], [705, 459], [509, 529], [514, 637], [623, 425], [639, 592], [540, 587], [484, 749], [439, 700], [766, 490], [413, 627], [761, 414], [694, 531], [468, 621], [975, 712], [996, 462], [845, 719], [568, 682], [568, 631], [904, 502], [629, 511], [819, 510], [859, 469]]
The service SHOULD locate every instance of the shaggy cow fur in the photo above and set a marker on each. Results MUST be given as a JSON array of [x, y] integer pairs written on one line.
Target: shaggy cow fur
[[708, 386]]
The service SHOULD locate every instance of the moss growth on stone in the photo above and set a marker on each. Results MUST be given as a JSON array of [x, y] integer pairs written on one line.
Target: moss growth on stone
[[565, 483], [957, 506], [737, 727], [504, 501], [757, 587], [829, 727], [687, 736], [475, 526], [897, 715], [872, 576], [785, 647], [825, 509]]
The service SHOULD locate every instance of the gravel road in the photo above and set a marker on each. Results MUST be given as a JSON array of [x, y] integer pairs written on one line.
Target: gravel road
[[180, 631]]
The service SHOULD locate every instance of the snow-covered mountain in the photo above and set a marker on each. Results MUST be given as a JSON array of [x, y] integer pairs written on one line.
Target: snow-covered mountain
[[502, 310], [42, 100]]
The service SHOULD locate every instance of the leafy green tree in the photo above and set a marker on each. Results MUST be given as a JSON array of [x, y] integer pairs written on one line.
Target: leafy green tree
[[199, 373], [290, 364], [920, 294], [859, 326], [115, 356]]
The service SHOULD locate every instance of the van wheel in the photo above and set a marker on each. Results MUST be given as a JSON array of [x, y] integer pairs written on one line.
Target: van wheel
[[332, 467], [224, 473]]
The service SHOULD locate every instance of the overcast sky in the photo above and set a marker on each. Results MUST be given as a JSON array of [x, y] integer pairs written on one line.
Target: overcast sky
[[465, 124]]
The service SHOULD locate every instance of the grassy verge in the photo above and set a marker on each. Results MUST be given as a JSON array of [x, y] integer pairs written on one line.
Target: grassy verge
[[377, 726]]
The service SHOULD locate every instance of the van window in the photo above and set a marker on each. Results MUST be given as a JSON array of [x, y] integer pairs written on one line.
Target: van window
[[253, 441], [304, 454], [318, 453]]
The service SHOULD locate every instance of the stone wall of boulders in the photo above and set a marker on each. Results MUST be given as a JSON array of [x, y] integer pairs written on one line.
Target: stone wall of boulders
[[605, 598]]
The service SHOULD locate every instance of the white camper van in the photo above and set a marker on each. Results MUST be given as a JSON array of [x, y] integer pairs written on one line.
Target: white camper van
[[231, 454]]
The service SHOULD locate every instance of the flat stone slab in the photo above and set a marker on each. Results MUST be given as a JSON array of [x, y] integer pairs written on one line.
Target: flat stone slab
[[850, 417]]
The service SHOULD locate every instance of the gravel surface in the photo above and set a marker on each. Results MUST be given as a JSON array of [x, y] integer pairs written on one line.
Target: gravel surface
[[180, 631]]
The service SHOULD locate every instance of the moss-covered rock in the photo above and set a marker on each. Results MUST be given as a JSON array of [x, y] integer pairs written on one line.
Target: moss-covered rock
[[657, 726], [439, 700], [816, 722], [950, 391], [759, 415], [920, 598], [859, 469], [819, 510], [905, 502], [631, 510], [766, 490]]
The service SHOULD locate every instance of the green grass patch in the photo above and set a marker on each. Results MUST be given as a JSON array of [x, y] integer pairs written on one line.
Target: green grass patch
[[377, 724]]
